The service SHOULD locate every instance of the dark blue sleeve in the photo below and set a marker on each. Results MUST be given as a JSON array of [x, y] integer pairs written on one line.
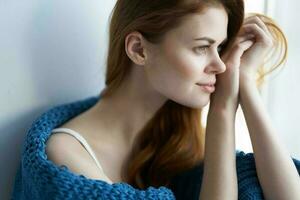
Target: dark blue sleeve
[[248, 182], [187, 185]]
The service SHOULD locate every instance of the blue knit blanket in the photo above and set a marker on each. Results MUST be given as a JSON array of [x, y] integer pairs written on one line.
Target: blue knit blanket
[[38, 178]]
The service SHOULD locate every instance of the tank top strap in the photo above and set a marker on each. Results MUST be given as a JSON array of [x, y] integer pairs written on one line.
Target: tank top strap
[[81, 140]]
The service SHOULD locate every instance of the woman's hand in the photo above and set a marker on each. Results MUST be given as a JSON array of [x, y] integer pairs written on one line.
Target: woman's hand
[[227, 85], [254, 56]]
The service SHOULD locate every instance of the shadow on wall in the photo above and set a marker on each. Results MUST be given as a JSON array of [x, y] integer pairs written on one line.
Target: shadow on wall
[[62, 58], [14, 134]]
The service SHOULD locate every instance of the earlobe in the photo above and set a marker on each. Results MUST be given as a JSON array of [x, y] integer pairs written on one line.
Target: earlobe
[[134, 48]]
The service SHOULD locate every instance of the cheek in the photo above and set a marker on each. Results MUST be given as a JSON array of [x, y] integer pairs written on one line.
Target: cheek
[[174, 75], [162, 74], [186, 64], [175, 70]]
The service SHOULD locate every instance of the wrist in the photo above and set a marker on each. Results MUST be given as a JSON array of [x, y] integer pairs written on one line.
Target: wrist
[[248, 88], [247, 80], [222, 105]]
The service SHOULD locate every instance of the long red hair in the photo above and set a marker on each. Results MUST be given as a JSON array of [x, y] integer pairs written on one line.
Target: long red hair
[[173, 140]]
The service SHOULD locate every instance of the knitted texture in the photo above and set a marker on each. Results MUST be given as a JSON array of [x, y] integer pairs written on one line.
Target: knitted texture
[[248, 183], [38, 178], [187, 185]]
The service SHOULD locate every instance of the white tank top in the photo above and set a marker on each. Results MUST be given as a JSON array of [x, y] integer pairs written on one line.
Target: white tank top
[[83, 142]]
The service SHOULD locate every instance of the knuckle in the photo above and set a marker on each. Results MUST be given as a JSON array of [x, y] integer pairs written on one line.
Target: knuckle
[[267, 43], [257, 18], [255, 26]]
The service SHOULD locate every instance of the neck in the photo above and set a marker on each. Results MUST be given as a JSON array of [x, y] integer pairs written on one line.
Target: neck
[[128, 110]]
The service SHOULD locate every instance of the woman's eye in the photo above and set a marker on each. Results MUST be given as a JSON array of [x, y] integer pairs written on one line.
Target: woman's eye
[[202, 49]]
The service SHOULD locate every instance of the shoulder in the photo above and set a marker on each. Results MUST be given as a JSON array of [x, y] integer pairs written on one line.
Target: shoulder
[[63, 149]]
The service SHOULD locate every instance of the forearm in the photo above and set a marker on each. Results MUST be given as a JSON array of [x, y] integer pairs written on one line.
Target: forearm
[[219, 176], [275, 169]]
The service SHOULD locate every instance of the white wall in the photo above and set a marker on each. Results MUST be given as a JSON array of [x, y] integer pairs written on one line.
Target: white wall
[[284, 85], [52, 52]]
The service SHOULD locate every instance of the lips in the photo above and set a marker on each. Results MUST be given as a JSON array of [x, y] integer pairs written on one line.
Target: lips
[[206, 84], [207, 88]]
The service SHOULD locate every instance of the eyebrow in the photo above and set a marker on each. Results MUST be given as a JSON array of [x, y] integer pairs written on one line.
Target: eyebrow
[[210, 40]]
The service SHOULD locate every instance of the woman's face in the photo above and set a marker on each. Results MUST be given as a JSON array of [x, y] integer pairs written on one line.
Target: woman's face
[[175, 66]]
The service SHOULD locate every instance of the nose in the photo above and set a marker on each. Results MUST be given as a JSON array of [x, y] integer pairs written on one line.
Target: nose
[[216, 65]]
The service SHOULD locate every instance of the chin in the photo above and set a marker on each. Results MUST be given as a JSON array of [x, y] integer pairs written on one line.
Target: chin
[[198, 104], [192, 101]]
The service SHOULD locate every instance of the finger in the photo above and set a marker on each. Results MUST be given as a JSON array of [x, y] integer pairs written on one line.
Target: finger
[[243, 46], [237, 50], [233, 58], [259, 22], [243, 38], [260, 35], [236, 43]]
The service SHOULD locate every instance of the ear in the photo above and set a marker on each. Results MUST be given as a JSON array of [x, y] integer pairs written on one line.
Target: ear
[[135, 47]]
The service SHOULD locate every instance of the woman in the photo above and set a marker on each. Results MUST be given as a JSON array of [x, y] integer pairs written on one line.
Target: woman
[[167, 60]]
